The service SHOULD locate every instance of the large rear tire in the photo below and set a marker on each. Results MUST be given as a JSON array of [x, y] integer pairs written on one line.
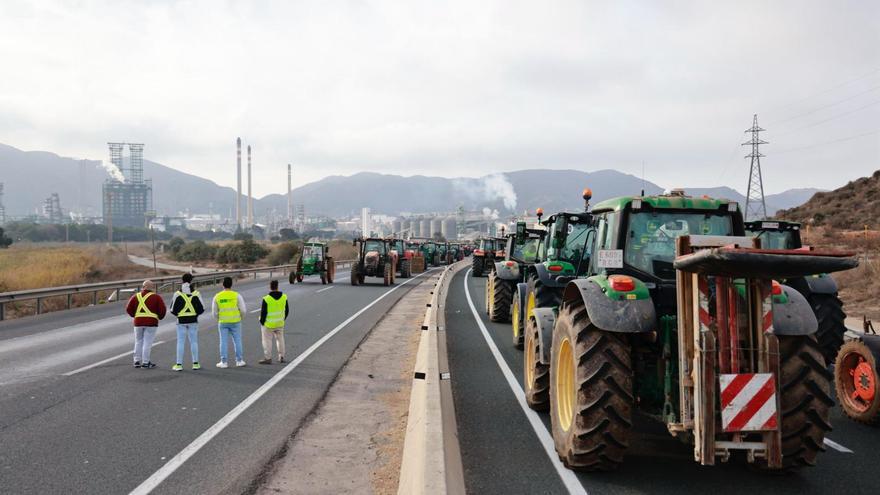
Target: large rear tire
[[386, 276], [292, 278], [477, 266], [536, 375], [355, 274], [856, 382], [540, 296], [805, 401], [591, 398], [502, 293], [405, 269], [829, 312], [331, 270]]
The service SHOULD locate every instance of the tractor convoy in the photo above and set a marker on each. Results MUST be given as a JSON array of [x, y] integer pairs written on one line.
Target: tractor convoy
[[672, 306]]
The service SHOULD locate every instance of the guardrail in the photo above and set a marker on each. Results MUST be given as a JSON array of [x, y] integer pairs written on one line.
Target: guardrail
[[115, 287], [431, 455]]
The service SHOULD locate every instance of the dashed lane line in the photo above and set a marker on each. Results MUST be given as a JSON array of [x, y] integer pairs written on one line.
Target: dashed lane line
[[105, 361], [325, 288], [190, 450], [569, 479], [836, 446]]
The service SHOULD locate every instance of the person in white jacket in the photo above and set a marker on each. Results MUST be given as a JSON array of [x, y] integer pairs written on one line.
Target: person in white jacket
[[229, 309]]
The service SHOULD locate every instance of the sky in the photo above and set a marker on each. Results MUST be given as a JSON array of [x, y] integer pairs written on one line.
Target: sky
[[454, 88]]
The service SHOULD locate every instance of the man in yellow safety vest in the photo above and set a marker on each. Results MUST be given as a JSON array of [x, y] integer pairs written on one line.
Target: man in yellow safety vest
[[147, 308], [228, 307], [187, 306], [272, 315]]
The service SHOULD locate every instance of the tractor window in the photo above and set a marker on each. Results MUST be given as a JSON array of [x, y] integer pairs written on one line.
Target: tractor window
[[312, 252], [578, 243], [378, 246], [650, 239], [527, 251], [777, 239]]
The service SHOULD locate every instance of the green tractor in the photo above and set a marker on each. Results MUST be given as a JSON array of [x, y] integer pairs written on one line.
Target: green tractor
[[521, 253], [679, 318], [314, 260], [376, 258], [820, 289]]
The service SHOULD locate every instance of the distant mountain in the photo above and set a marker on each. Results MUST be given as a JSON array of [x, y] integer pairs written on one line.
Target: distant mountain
[[31, 176]]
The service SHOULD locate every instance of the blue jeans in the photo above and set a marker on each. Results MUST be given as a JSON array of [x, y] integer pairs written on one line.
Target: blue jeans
[[234, 329], [188, 331]]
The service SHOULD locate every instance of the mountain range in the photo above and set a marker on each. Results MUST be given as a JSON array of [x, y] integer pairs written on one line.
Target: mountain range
[[31, 176]]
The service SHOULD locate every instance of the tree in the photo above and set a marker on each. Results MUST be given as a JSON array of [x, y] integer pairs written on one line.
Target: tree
[[5, 240], [288, 235]]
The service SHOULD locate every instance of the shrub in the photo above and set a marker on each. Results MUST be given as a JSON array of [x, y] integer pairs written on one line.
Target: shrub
[[284, 253], [246, 252], [195, 251]]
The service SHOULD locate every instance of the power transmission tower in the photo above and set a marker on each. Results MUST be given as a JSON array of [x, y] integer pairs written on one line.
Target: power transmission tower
[[756, 208]]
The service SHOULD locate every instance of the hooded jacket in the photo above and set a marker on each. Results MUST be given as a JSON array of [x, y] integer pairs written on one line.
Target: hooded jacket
[[177, 304], [275, 294]]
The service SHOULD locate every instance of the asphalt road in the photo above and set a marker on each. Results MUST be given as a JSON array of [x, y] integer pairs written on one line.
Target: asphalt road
[[76, 417], [507, 448]]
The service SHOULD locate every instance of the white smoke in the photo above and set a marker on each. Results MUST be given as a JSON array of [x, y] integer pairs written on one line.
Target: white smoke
[[488, 189], [490, 213], [113, 170]]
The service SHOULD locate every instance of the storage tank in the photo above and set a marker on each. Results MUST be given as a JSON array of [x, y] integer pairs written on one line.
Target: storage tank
[[450, 228], [413, 226], [425, 227], [436, 226], [397, 226]]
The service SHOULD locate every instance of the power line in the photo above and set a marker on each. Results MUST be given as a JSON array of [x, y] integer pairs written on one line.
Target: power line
[[846, 83], [850, 138], [833, 117], [823, 107]]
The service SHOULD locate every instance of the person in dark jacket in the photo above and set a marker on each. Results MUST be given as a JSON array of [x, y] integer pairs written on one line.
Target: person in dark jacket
[[273, 313], [147, 308], [187, 306]]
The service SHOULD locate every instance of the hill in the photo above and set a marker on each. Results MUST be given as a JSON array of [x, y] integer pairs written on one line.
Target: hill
[[850, 207]]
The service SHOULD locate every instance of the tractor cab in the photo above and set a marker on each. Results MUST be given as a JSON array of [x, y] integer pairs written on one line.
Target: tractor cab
[[567, 248], [776, 234], [524, 244]]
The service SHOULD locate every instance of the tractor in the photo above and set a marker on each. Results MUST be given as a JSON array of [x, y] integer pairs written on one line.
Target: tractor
[[856, 375], [820, 290], [404, 257], [376, 258], [521, 252], [483, 255], [428, 250], [680, 318], [315, 260], [418, 259]]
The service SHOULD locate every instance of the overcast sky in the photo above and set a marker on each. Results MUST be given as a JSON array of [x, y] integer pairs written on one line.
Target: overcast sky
[[451, 88]]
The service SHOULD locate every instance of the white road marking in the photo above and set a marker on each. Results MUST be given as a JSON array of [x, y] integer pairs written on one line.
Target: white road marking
[[836, 446], [325, 288], [569, 479], [105, 361], [172, 465], [256, 311]]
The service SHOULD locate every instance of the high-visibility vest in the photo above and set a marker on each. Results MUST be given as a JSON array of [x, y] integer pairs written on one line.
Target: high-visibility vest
[[275, 311], [188, 308], [227, 307], [142, 310]]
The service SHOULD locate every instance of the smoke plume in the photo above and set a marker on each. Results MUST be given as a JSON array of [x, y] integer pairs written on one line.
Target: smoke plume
[[113, 170], [488, 189]]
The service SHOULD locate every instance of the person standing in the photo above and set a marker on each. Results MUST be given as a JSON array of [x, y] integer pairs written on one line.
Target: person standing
[[273, 313], [187, 306], [147, 308], [228, 307]]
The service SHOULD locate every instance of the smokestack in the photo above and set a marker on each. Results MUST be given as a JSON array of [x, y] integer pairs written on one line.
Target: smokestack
[[238, 189], [250, 199], [289, 196]]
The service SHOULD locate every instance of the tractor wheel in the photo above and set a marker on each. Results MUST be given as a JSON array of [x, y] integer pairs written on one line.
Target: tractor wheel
[[323, 278], [355, 274], [477, 266], [499, 307], [591, 398], [535, 373], [405, 269], [516, 322], [489, 296], [386, 278], [540, 296], [805, 401], [855, 380], [331, 270], [449, 259], [299, 278], [829, 312], [292, 277], [393, 273]]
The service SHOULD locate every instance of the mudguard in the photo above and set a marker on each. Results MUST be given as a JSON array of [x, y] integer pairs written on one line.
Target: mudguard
[[505, 272], [544, 318], [621, 316], [821, 284], [521, 290], [795, 316], [546, 278]]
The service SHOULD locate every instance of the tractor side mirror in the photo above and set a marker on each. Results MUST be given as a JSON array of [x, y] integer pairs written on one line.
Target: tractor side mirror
[[520, 233], [560, 231]]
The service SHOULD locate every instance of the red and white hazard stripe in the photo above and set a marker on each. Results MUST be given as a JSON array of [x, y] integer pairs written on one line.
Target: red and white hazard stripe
[[748, 402]]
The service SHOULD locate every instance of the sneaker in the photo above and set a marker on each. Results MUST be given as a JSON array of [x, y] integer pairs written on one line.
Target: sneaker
[[137, 364], [148, 365], [265, 361], [281, 359], [177, 367], [222, 364], [239, 364], [197, 366]]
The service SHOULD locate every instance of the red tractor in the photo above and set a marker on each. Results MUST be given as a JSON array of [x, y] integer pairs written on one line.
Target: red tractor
[[376, 258], [404, 257]]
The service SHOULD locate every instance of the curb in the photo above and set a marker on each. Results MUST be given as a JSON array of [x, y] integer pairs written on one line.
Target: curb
[[431, 456]]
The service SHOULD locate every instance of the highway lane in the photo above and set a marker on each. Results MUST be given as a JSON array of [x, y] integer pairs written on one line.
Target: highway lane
[[107, 429], [503, 453]]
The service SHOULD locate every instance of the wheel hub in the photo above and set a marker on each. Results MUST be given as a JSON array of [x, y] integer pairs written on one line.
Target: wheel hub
[[863, 379], [565, 385]]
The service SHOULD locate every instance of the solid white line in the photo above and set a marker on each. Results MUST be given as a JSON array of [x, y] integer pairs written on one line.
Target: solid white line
[[172, 465], [105, 361], [325, 288], [836, 446], [569, 479]]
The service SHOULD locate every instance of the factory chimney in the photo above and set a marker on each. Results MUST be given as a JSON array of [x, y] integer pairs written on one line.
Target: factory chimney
[[289, 196], [250, 199], [238, 189]]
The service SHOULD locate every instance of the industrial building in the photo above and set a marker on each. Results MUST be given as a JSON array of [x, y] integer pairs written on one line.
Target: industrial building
[[128, 200]]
